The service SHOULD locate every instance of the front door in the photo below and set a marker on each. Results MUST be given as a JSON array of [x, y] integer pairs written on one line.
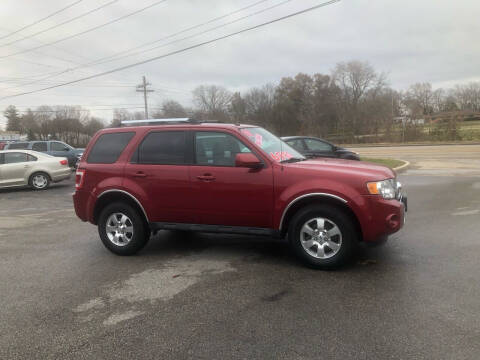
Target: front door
[[158, 174], [224, 194]]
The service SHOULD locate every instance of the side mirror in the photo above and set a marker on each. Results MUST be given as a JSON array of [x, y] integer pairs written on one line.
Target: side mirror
[[247, 160], [66, 149]]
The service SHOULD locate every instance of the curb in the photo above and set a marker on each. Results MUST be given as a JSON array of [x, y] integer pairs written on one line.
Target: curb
[[402, 167], [406, 144]]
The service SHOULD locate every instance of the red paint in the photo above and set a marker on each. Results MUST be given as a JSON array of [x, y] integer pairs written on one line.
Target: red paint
[[236, 196]]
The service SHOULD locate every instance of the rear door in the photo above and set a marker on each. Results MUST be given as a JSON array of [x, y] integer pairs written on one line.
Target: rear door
[[13, 169], [315, 147], [224, 194], [159, 170]]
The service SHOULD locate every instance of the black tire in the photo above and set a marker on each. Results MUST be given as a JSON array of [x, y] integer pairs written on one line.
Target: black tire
[[139, 237], [332, 215], [35, 185]]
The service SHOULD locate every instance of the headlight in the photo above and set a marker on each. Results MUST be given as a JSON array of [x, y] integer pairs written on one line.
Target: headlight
[[386, 188]]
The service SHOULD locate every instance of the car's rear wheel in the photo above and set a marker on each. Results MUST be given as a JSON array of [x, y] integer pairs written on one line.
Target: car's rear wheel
[[39, 181], [322, 236], [122, 229]]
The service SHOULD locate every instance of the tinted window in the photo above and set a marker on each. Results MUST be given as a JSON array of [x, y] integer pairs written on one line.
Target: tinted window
[[31, 158], [39, 146], [317, 145], [15, 157], [166, 147], [297, 144], [56, 146], [18, 146], [108, 147], [216, 148]]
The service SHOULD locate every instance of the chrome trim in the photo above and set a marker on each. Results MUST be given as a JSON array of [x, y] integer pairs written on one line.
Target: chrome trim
[[146, 121], [126, 193], [304, 196]]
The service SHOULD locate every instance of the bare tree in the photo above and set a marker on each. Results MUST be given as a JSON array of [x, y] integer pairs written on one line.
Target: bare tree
[[213, 101], [468, 96], [420, 99], [353, 80], [238, 108], [173, 109]]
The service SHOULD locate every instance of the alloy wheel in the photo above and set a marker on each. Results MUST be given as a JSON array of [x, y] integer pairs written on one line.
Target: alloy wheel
[[321, 238], [119, 229]]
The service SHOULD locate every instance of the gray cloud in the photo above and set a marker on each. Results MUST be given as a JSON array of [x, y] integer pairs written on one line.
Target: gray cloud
[[428, 40]]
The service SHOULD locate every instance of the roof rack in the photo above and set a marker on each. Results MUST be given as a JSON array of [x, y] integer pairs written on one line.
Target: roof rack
[[164, 121]]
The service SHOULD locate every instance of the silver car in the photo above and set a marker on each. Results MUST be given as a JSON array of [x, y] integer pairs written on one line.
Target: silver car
[[31, 168]]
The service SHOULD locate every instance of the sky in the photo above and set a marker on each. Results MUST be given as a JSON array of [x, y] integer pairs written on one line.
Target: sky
[[411, 41]]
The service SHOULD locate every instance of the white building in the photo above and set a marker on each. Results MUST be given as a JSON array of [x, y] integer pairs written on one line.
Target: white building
[[11, 136]]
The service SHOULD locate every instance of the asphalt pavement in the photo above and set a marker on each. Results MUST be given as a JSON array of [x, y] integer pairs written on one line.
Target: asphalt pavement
[[64, 296]]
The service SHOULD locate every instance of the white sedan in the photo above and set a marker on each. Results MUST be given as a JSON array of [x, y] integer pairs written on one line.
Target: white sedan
[[31, 168]]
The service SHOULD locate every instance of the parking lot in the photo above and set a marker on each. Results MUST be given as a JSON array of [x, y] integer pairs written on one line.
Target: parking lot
[[64, 296]]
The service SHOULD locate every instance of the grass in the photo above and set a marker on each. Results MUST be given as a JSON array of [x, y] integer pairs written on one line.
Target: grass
[[391, 163]]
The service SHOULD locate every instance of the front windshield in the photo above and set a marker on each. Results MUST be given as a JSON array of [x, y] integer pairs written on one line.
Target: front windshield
[[272, 145]]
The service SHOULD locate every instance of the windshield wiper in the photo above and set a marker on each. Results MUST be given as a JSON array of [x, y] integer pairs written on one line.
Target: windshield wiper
[[292, 160]]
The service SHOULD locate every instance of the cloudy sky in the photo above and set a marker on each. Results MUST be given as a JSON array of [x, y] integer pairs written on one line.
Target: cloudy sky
[[411, 40]]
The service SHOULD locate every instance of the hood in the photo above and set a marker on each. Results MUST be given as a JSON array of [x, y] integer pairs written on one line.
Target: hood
[[360, 169]]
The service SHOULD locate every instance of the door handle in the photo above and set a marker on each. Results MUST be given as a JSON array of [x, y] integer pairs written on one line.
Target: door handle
[[206, 177], [140, 174]]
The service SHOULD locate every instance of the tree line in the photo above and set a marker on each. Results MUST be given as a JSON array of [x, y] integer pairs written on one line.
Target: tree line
[[351, 102], [71, 124]]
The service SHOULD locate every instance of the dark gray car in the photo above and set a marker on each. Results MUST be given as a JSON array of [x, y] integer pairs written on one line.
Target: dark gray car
[[51, 147], [315, 147]]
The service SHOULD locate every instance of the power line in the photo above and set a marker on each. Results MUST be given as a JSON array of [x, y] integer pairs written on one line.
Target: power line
[[42, 19], [52, 56], [62, 23], [200, 33], [178, 51], [115, 56], [177, 33], [85, 31]]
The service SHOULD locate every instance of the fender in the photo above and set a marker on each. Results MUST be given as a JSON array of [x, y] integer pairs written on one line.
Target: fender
[[304, 196], [126, 193]]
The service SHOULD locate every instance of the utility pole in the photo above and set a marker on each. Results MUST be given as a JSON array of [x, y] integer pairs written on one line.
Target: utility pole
[[143, 88]]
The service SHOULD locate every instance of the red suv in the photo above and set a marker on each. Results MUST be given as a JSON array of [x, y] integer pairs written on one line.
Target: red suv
[[135, 180]]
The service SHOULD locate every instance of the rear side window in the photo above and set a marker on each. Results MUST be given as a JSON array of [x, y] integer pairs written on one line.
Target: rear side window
[[39, 146], [108, 147], [57, 146], [163, 148], [15, 146]]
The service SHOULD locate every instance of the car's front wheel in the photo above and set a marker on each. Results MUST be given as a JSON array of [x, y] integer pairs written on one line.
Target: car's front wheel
[[122, 229], [322, 236]]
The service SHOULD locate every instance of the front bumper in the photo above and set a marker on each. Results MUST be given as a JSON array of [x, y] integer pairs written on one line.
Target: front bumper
[[385, 217]]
